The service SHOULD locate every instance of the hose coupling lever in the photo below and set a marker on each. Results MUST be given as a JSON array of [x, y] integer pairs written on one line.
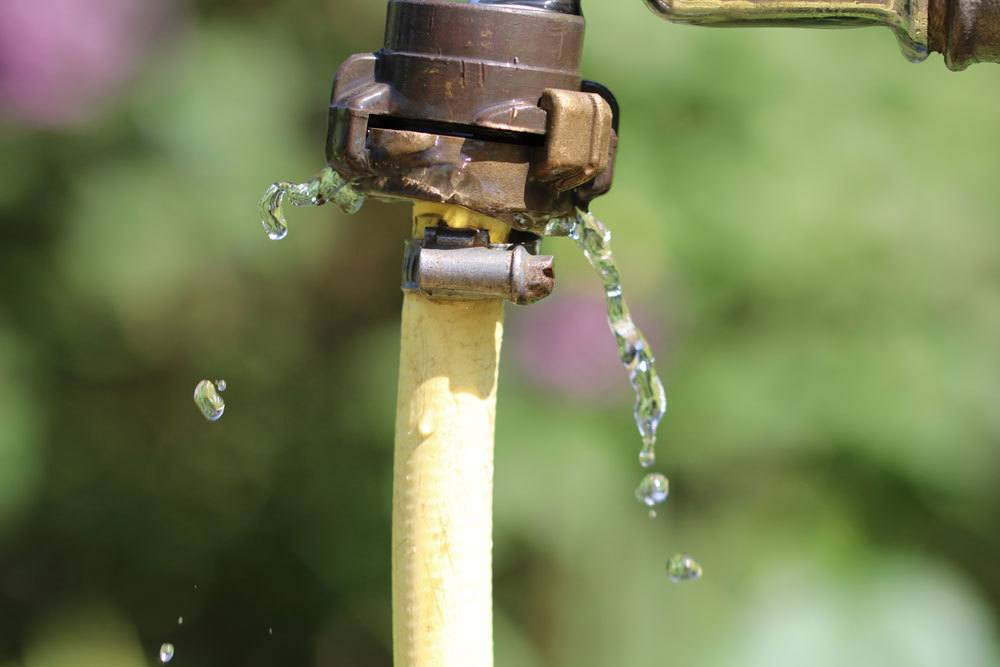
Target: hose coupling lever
[[452, 263]]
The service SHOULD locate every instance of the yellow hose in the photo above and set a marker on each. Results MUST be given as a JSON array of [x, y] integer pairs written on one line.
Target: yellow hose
[[443, 474]]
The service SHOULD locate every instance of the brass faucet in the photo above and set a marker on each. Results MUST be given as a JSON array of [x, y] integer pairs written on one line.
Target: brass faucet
[[965, 31]]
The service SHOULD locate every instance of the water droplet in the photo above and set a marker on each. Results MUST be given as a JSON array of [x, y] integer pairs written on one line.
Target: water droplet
[[270, 631], [683, 568], [654, 489], [166, 652], [180, 620], [325, 187], [652, 514], [206, 397], [220, 385]]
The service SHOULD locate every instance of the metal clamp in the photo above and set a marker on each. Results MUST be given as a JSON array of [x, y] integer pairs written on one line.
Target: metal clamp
[[462, 264]]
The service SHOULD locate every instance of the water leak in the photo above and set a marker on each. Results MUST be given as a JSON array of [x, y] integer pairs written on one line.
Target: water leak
[[683, 568], [594, 238], [653, 490], [166, 652], [208, 399], [326, 186]]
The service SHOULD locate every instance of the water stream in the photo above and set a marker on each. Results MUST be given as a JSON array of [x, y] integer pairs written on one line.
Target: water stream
[[326, 186], [594, 238]]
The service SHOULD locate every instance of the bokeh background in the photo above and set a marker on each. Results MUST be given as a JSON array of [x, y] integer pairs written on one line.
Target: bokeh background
[[807, 225]]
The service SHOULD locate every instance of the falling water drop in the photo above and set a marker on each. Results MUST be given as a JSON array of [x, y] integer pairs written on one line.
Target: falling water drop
[[683, 568], [220, 385], [653, 490], [326, 186], [208, 400], [166, 652], [180, 620]]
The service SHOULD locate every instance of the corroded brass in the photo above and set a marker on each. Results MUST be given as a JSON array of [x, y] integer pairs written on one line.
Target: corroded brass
[[965, 31], [577, 138], [908, 19], [477, 105]]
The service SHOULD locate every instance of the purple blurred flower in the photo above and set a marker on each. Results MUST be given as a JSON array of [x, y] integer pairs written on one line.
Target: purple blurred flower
[[565, 347], [60, 60]]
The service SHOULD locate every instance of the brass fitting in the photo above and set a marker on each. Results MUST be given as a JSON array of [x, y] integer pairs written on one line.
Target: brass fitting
[[908, 19], [477, 105], [964, 31]]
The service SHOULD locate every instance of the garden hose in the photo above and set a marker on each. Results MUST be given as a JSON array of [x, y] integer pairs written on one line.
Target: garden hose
[[443, 477]]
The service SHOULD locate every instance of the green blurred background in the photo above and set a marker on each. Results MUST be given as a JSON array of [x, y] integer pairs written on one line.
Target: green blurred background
[[807, 224]]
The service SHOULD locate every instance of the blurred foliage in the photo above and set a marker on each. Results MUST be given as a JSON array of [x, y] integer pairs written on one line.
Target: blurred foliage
[[809, 220]]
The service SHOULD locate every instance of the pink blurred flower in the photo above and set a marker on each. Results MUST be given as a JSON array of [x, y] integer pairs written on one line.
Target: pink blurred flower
[[565, 346], [60, 60]]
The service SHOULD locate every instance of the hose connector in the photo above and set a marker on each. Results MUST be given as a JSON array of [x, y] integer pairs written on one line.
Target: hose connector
[[481, 105]]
